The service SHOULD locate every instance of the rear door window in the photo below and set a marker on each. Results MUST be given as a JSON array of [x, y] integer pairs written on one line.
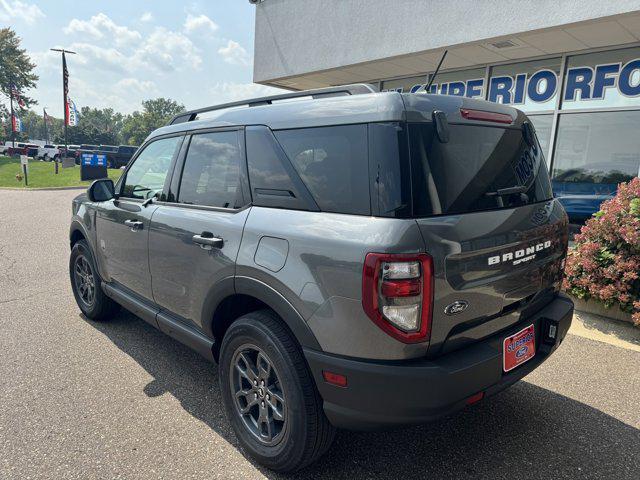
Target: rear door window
[[333, 164], [211, 172], [472, 170]]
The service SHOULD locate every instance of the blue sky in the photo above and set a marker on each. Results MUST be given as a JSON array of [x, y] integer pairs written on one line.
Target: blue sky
[[198, 53]]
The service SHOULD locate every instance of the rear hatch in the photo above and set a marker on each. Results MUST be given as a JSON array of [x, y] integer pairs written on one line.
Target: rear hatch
[[482, 199]]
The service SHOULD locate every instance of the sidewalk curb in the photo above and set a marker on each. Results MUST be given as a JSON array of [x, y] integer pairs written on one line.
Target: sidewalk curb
[[41, 189]]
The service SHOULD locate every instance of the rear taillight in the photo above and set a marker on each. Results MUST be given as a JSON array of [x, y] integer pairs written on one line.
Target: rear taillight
[[397, 294]]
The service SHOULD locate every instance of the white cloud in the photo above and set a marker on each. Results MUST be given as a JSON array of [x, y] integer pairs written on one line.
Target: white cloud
[[100, 26], [230, 91], [165, 50], [130, 84], [95, 57], [146, 17], [28, 13], [235, 54], [200, 22]]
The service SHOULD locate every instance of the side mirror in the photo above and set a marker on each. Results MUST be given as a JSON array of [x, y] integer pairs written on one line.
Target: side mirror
[[101, 190]]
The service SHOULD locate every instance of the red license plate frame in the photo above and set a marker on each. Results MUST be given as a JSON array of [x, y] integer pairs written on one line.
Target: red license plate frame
[[518, 348]]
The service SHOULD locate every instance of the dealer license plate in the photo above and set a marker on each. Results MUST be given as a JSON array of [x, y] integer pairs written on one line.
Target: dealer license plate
[[518, 348]]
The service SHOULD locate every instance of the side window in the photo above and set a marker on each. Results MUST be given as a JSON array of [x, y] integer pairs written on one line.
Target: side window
[[333, 164], [274, 182], [148, 172], [211, 172]]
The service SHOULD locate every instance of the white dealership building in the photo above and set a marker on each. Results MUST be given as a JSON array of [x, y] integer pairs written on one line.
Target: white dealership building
[[572, 65]]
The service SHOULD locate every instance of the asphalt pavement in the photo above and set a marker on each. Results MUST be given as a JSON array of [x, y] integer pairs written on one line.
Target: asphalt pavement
[[87, 400]]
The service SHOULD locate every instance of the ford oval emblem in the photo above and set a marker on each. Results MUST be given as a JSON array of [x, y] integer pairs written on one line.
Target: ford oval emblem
[[522, 351], [456, 307]]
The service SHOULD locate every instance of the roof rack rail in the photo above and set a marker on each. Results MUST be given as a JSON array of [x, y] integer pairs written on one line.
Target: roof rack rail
[[353, 89]]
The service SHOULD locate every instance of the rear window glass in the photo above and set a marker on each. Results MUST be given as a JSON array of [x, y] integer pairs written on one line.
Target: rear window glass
[[470, 172], [333, 164], [211, 172]]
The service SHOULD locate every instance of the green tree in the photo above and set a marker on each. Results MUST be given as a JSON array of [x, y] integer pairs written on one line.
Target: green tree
[[15, 67], [156, 113], [107, 124]]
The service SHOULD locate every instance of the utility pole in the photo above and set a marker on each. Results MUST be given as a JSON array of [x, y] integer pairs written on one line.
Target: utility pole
[[65, 92]]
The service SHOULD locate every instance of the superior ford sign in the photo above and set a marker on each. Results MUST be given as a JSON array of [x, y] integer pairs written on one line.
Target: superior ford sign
[[582, 83], [94, 159]]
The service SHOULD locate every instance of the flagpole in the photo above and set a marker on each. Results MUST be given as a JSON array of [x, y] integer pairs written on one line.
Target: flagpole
[[44, 117], [13, 133], [65, 92]]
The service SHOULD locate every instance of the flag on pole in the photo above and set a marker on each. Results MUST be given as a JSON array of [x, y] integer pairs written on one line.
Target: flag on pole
[[16, 124], [15, 93], [71, 113], [65, 88], [46, 117]]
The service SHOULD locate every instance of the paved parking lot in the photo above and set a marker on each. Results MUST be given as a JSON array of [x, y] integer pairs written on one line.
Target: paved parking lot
[[89, 400]]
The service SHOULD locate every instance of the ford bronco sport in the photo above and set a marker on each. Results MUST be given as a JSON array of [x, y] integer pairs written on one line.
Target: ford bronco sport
[[351, 259]]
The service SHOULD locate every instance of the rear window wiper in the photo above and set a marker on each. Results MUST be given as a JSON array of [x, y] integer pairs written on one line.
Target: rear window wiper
[[507, 191]]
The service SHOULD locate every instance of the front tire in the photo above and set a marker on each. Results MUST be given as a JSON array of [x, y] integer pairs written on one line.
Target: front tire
[[86, 284], [269, 394]]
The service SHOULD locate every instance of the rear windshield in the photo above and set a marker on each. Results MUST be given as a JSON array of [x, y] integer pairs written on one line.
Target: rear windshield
[[471, 171]]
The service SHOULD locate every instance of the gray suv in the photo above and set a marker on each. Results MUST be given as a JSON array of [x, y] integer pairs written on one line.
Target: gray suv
[[350, 259]]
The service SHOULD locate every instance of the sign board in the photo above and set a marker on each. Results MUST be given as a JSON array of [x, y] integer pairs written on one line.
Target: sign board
[[94, 159], [612, 85], [93, 166], [68, 162], [24, 161]]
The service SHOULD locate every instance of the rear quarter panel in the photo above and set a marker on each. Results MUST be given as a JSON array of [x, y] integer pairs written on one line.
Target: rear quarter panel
[[322, 272]]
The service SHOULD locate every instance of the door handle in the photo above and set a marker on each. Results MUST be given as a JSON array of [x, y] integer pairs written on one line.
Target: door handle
[[134, 225], [207, 241]]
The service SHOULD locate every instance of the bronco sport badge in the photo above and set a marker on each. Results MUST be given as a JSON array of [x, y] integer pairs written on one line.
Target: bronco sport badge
[[520, 256]]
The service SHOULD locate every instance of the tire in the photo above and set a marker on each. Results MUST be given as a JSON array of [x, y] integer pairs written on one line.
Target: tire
[[84, 279], [300, 432]]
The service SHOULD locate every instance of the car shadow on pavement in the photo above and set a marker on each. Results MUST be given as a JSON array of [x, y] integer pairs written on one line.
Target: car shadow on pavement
[[524, 432]]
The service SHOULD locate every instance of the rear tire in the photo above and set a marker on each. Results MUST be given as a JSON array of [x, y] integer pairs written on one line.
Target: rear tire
[[86, 284], [269, 394]]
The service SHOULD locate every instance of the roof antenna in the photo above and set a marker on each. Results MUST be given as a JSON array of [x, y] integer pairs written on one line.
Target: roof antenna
[[430, 82]]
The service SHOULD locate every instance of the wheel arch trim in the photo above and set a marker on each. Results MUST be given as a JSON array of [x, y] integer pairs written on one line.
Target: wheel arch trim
[[241, 285]]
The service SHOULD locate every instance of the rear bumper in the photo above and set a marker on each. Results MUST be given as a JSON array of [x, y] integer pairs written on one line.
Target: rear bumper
[[387, 394]]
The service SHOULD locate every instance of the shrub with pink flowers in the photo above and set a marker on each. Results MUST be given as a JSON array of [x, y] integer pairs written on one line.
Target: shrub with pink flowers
[[605, 263]]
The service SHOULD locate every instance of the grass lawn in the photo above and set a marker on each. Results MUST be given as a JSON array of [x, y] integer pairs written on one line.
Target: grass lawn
[[42, 174]]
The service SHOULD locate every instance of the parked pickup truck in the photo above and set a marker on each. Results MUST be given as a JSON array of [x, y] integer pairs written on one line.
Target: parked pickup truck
[[48, 153], [19, 148], [117, 156]]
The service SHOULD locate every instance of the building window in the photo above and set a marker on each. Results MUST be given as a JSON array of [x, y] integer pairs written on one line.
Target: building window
[[404, 85], [542, 124], [603, 80], [593, 153], [463, 83], [529, 86]]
